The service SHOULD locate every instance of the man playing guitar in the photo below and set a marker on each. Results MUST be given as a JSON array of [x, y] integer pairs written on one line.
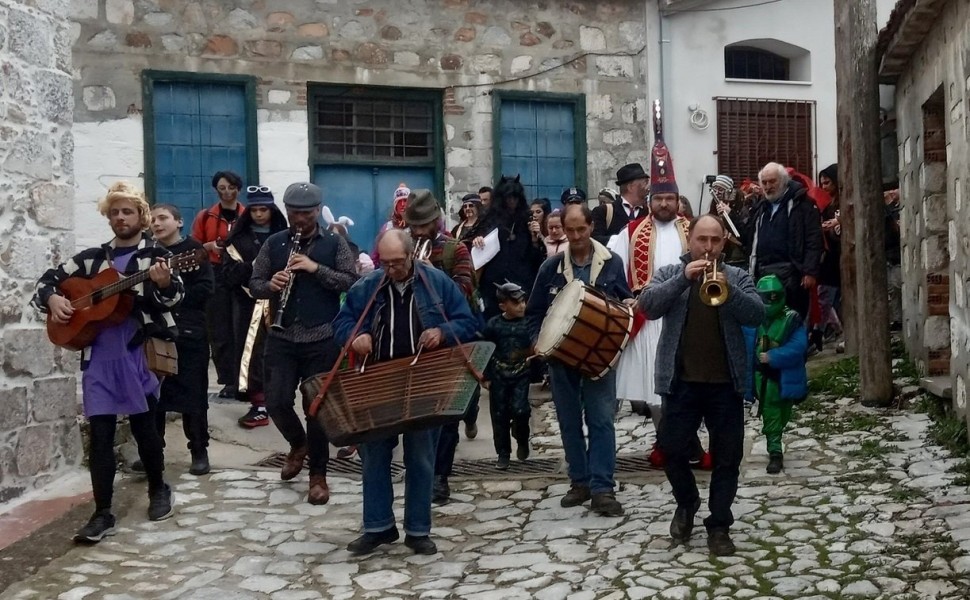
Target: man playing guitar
[[116, 379]]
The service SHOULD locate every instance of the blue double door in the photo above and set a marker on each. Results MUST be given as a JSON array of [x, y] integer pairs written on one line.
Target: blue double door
[[366, 194], [199, 129], [537, 140]]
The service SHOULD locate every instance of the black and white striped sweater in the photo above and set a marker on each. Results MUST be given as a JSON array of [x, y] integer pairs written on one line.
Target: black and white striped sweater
[[153, 306]]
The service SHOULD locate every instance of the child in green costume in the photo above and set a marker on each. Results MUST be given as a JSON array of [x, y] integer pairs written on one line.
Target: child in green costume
[[780, 380]]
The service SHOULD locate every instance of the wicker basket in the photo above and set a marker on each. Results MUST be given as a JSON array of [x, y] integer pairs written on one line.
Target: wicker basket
[[393, 397]]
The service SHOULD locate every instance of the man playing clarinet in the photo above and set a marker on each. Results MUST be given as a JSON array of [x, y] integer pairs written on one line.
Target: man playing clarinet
[[310, 267]]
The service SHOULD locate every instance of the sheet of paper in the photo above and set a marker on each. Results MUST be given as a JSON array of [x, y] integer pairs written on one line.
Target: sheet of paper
[[481, 256]]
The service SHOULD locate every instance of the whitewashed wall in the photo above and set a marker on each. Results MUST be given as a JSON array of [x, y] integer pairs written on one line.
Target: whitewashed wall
[[694, 63]]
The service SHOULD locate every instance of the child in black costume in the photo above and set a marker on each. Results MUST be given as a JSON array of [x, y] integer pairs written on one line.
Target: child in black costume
[[507, 374]]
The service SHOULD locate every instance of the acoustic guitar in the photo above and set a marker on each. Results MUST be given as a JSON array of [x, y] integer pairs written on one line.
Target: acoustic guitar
[[100, 302]]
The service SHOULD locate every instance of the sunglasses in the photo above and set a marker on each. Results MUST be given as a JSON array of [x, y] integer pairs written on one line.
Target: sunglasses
[[771, 297], [258, 188], [468, 204]]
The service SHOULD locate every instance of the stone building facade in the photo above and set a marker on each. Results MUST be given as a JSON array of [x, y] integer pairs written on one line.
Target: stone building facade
[[467, 54], [925, 51], [38, 390]]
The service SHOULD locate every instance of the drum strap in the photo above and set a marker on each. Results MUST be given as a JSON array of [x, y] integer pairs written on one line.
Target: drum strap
[[464, 352]]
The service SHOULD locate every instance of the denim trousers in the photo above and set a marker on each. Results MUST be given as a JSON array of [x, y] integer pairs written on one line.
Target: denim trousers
[[419, 459], [722, 408], [579, 399], [287, 364]]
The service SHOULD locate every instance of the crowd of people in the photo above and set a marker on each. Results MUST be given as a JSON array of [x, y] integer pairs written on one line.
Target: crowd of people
[[280, 292]]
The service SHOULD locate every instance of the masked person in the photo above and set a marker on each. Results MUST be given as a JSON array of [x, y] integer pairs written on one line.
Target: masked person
[[780, 379]]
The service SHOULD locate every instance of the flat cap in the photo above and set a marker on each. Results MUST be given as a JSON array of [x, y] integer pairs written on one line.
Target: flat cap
[[302, 195]]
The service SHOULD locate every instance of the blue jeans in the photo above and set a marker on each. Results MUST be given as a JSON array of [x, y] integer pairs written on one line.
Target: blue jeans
[[419, 458], [579, 398]]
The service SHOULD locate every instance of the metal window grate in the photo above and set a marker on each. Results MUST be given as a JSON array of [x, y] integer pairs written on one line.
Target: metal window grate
[[480, 468], [754, 132], [373, 129]]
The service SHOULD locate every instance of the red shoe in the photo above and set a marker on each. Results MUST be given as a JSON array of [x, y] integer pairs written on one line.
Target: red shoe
[[656, 457], [707, 463]]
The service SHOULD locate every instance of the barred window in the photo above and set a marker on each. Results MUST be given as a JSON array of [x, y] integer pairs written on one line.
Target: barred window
[[753, 132], [373, 129]]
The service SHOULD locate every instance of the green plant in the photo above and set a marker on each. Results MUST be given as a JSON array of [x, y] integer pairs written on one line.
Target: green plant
[[962, 469], [872, 448], [839, 379]]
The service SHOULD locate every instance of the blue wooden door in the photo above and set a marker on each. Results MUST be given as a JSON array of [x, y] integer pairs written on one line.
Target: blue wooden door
[[366, 194], [200, 128], [537, 141]]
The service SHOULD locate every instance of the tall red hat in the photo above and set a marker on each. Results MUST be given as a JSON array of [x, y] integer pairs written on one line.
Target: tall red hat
[[662, 179]]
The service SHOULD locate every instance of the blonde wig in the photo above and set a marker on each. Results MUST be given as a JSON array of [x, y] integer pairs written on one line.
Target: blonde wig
[[122, 190]]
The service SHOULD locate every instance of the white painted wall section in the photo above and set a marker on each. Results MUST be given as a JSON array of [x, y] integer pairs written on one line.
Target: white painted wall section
[[104, 152]]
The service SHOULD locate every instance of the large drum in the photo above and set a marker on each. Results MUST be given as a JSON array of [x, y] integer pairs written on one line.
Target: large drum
[[585, 330]]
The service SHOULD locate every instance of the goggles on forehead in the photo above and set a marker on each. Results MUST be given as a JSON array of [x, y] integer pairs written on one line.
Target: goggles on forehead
[[258, 188]]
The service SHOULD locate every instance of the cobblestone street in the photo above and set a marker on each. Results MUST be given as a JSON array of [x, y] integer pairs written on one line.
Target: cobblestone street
[[865, 508]]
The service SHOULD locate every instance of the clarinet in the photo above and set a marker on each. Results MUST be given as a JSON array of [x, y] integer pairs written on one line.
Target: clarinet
[[285, 292]]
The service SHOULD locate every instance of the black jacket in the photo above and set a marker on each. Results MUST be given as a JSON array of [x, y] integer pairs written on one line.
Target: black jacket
[[602, 231], [804, 231]]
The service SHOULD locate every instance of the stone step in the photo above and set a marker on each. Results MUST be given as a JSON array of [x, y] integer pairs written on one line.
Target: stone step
[[940, 386]]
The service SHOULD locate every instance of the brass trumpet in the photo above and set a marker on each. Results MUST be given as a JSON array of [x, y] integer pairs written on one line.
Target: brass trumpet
[[714, 286]]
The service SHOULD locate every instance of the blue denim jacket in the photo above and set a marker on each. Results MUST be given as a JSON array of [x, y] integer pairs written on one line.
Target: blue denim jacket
[[445, 293]]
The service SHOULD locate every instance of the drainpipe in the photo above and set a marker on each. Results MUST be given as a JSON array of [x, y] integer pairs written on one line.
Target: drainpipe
[[663, 67]]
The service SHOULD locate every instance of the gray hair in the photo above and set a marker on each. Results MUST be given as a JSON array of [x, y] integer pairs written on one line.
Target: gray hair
[[779, 170], [402, 236]]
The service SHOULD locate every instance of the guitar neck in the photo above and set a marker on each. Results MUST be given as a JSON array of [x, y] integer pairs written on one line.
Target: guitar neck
[[123, 284]]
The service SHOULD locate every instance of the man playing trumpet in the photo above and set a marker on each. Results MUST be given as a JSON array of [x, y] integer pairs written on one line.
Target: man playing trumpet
[[701, 373], [317, 265]]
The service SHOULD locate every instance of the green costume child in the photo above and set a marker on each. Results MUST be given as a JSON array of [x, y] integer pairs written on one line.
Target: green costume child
[[780, 379]]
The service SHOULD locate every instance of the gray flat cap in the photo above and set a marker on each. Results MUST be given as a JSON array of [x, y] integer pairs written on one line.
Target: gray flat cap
[[302, 195]]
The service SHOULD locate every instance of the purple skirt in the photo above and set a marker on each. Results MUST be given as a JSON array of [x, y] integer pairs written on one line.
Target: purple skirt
[[117, 380]]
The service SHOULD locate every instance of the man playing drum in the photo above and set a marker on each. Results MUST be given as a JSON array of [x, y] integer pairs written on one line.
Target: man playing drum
[[578, 397]]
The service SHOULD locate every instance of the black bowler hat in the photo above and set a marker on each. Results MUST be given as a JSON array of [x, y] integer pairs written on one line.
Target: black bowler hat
[[629, 173]]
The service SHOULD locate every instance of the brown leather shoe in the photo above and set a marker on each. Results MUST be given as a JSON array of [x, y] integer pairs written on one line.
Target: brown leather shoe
[[319, 490], [293, 464]]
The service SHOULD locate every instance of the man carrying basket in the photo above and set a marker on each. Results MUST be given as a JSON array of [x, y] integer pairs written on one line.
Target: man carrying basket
[[415, 307], [578, 397]]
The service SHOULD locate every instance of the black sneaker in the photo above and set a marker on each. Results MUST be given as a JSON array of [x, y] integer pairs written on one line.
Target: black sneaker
[[682, 524], [160, 503], [606, 505], [503, 462], [369, 542], [719, 542], [138, 466], [576, 495], [441, 492], [776, 462], [101, 524], [200, 462], [228, 391], [523, 451], [420, 544]]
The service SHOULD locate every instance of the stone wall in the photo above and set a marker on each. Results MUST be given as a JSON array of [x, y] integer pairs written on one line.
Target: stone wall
[[588, 47], [936, 212], [38, 389]]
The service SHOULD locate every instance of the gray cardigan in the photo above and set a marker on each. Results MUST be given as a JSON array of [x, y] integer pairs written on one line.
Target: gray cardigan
[[667, 296]]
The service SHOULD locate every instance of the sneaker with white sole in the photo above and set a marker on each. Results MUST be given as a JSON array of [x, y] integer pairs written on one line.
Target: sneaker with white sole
[[101, 524], [160, 503]]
